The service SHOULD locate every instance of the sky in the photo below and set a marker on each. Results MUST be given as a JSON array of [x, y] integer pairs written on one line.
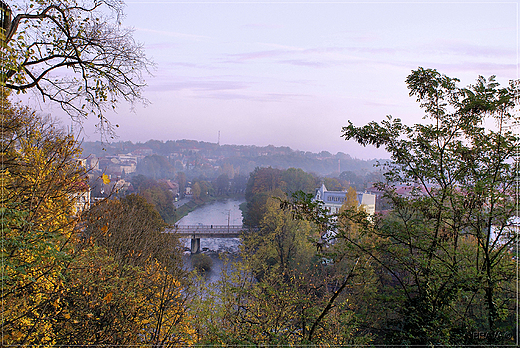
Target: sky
[[293, 73]]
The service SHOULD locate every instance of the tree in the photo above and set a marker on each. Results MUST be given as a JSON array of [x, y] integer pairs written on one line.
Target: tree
[[450, 239], [263, 180], [39, 178], [349, 178], [239, 183], [74, 53], [281, 241], [196, 191], [222, 184], [162, 199], [126, 285], [281, 293], [108, 276], [255, 209], [297, 180], [181, 180], [262, 184], [156, 193], [333, 184]]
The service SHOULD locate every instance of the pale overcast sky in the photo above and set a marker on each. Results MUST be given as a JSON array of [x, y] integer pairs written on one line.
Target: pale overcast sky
[[293, 73]]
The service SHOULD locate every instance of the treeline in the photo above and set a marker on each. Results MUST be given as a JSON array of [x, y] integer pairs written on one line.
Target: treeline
[[264, 183], [207, 159]]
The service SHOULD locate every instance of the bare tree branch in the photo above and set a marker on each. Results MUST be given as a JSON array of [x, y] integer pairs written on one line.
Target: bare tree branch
[[74, 53]]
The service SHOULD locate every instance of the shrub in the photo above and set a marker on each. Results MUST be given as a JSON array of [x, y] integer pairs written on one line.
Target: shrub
[[201, 262]]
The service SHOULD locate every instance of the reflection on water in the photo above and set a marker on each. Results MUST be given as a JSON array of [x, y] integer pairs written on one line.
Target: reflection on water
[[216, 213]]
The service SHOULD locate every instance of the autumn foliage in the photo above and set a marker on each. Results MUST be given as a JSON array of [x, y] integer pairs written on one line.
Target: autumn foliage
[[106, 277]]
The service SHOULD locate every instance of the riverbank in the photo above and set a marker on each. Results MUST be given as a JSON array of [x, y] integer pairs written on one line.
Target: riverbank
[[187, 208]]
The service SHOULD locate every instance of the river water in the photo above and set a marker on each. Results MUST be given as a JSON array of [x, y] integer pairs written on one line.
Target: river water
[[215, 213]]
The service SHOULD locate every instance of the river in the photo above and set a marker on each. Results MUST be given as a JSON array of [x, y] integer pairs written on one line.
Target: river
[[215, 213]]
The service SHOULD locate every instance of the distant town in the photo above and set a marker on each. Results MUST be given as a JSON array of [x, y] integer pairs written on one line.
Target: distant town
[[197, 157]]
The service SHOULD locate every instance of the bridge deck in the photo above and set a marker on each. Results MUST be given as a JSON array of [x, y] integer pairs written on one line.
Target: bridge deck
[[207, 231]]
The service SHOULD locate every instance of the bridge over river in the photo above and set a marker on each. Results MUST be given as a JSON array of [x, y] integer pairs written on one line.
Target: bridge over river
[[196, 232]]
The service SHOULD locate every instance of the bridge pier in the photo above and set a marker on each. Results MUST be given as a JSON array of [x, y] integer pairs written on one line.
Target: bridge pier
[[195, 245]]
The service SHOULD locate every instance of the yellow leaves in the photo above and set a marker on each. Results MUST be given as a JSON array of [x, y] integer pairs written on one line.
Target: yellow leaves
[[108, 297], [66, 316], [106, 179], [16, 335], [35, 188], [56, 303]]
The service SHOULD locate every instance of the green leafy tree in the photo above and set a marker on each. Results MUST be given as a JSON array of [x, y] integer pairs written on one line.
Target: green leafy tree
[[449, 240], [222, 184], [297, 180], [281, 241], [281, 293]]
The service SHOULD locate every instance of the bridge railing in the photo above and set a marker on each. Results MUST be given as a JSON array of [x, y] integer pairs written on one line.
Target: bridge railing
[[207, 227], [210, 231]]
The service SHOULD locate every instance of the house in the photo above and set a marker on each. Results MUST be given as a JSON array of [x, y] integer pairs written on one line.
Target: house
[[173, 187], [81, 198], [333, 200]]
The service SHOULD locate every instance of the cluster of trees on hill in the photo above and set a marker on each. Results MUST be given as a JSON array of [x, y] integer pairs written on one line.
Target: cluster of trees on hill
[[156, 193], [201, 158], [438, 269]]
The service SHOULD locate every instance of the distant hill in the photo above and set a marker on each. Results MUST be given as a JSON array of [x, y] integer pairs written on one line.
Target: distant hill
[[198, 157]]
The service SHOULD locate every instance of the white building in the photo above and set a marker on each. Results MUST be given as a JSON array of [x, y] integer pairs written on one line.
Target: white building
[[81, 198], [333, 200]]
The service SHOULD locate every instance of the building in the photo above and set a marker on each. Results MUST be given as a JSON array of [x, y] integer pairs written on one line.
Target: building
[[81, 198], [333, 200], [173, 187]]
